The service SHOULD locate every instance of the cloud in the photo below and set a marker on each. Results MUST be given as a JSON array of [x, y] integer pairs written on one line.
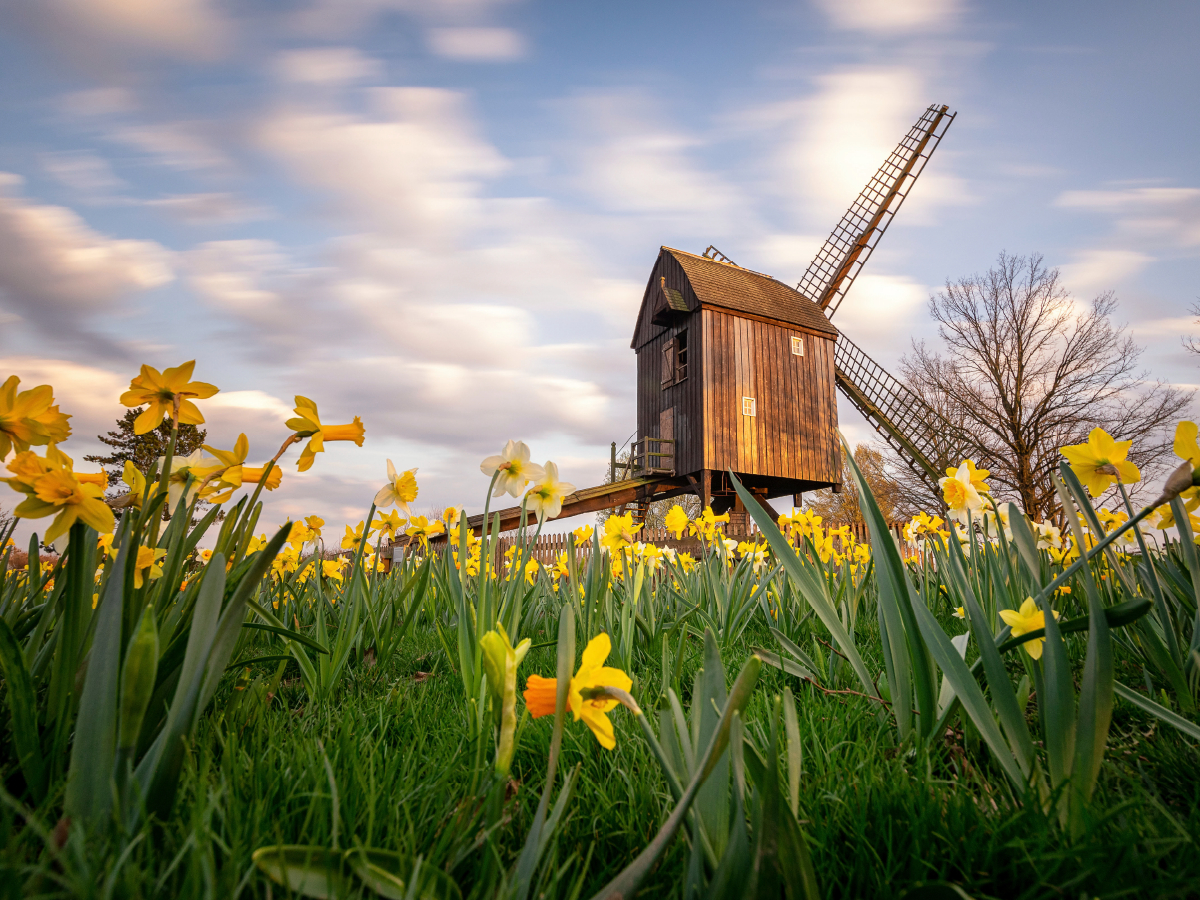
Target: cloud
[[217, 208], [477, 44], [834, 141], [86, 174], [178, 145], [877, 309], [107, 30], [326, 65], [56, 272], [1093, 271], [630, 161], [1162, 215], [97, 102], [887, 17], [411, 171], [89, 394]]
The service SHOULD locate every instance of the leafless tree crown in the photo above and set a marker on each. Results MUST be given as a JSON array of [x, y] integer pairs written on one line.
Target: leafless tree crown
[[1027, 369]]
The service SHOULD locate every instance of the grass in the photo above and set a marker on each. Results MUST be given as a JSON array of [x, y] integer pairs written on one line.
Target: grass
[[880, 819]]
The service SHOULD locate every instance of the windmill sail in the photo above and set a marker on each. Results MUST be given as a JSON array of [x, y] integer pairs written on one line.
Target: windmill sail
[[922, 437], [835, 267]]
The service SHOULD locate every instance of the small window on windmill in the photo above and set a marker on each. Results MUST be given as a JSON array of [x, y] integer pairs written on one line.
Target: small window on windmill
[[668, 364], [749, 406], [681, 356], [797, 345]]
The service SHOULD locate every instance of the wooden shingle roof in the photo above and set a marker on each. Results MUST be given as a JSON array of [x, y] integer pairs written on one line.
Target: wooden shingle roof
[[731, 287]]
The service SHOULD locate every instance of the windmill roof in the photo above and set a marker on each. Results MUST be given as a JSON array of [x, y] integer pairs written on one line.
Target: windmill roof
[[729, 286]]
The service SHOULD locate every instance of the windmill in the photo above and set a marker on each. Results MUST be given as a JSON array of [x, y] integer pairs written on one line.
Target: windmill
[[737, 371]]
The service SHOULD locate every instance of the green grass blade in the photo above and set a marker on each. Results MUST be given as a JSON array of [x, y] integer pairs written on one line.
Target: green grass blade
[[22, 707], [1191, 729]]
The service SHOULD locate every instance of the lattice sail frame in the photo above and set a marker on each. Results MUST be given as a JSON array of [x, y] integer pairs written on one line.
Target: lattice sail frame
[[836, 265], [920, 435]]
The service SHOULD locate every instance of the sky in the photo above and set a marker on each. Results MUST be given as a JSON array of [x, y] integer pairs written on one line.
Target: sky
[[440, 215]]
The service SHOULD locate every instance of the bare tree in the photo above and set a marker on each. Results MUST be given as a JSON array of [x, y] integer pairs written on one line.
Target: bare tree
[[880, 477], [1029, 370]]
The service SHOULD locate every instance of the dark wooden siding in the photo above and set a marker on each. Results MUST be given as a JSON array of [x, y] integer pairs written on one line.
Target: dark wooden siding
[[667, 267], [793, 434], [683, 396]]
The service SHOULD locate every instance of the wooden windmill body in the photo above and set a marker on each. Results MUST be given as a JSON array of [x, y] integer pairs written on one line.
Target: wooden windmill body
[[737, 372]]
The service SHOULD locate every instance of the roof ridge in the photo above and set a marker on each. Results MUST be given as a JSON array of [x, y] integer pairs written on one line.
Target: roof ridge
[[731, 265]]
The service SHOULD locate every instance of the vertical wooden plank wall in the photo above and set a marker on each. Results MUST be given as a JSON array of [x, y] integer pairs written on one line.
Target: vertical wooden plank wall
[[793, 434]]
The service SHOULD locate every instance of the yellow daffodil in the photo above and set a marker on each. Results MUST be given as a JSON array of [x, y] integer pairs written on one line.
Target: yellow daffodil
[[332, 568], [399, 491], [148, 562], [676, 521], [315, 524], [619, 532], [541, 693], [256, 544], [1101, 461], [422, 529], [450, 517], [562, 568], [158, 391], [29, 418], [686, 561], [307, 424], [583, 535], [51, 488], [960, 494], [514, 468], [1024, 620], [300, 535], [353, 536], [705, 525], [545, 498], [104, 545], [960, 612], [388, 526], [500, 662], [531, 571]]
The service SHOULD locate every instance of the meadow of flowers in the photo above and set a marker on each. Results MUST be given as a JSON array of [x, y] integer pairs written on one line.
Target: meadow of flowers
[[993, 707]]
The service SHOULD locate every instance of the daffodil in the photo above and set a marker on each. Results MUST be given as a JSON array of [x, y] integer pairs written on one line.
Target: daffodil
[[959, 494], [51, 488], [705, 525], [1101, 461], [353, 536], [562, 568], [500, 662], [236, 473], [977, 477], [256, 544], [512, 469], [307, 424], [388, 526], [422, 529], [315, 524], [400, 490], [332, 568], [148, 564], [29, 418], [676, 521], [1048, 536], [197, 466], [1024, 620], [583, 534], [541, 693], [545, 498], [531, 571], [960, 612], [619, 532], [300, 534], [159, 391], [450, 516]]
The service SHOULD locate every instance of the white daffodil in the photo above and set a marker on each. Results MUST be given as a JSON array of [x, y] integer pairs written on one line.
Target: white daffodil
[[546, 497], [196, 466], [515, 469], [400, 490], [960, 495]]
